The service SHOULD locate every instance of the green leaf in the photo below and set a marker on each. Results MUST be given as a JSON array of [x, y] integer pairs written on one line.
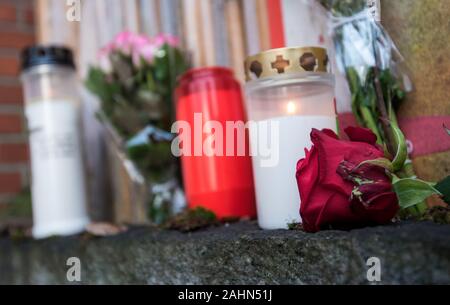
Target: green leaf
[[353, 80], [411, 192], [402, 151], [98, 84], [370, 123], [444, 188], [381, 162]]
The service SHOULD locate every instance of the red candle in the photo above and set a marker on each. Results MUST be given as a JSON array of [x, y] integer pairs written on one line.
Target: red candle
[[217, 174]]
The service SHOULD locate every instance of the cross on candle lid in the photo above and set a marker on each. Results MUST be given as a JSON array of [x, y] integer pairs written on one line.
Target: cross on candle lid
[[280, 64], [286, 61]]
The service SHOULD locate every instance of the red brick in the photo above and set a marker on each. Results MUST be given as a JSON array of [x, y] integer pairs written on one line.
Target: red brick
[[29, 16], [7, 13], [15, 40], [9, 66], [13, 153], [11, 95], [10, 183], [10, 123]]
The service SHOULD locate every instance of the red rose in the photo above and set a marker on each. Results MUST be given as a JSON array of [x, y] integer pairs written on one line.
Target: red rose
[[337, 193]]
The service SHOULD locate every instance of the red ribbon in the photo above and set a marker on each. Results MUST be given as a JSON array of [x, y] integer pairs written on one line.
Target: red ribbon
[[426, 134]]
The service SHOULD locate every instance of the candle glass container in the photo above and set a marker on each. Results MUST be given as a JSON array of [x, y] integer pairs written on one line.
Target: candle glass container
[[217, 176], [289, 92], [52, 109]]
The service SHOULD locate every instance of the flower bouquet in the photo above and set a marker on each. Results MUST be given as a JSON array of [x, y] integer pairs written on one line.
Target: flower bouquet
[[134, 81], [365, 181]]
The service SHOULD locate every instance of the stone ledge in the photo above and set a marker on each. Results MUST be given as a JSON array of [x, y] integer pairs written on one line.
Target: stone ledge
[[415, 253]]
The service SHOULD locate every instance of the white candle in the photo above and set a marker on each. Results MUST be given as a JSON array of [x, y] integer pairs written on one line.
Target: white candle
[[278, 200], [290, 90], [58, 190], [53, 116]]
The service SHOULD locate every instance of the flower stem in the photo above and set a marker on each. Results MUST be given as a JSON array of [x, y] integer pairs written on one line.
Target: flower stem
[[370, 122], [388, 118], [384, 117]]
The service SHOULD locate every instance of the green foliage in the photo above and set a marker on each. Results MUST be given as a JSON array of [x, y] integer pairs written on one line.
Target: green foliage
[[295, 226], [381, 162], [411, 192], [444, 188], [344, 8], [97, 83], [192, 219], [137, 93], [133, 97], [377, 92], [18, 207], [155, 159], [401, 149], [440, 215], [364, 100]]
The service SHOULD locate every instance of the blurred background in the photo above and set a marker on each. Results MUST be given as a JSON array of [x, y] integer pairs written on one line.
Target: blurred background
[[214, 32]]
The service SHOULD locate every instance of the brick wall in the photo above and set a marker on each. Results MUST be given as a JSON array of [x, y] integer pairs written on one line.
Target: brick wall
[[16, 32]]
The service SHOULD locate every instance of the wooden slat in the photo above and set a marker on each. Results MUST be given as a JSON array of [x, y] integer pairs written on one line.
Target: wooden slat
[[43, 21], [103, 26], [305, 16], [115, 21], [100, 206], [222, 53], [263, 24], [207, 27], [150, 18], [170, 13], [130, 13], [89, 40], [236, 41], [192, 31], [251, 26], [53, 26]]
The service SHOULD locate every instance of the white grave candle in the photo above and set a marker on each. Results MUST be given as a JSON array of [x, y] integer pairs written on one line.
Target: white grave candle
[[295, 99], [53, 117]]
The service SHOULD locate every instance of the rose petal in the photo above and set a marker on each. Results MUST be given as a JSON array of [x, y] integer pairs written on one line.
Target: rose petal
[[331, 153], [325, 198], [330, 133], [307, 173], [381, 210], [358, 152], [359, 134], [311, 211]]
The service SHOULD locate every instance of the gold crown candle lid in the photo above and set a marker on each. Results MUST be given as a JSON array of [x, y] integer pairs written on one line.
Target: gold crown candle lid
[[285, 61]]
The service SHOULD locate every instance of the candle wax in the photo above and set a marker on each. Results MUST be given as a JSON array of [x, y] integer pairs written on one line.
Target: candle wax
[[277, 195], [58, 190]]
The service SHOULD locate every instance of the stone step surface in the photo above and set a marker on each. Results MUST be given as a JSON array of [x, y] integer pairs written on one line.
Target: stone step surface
[[409, 253]]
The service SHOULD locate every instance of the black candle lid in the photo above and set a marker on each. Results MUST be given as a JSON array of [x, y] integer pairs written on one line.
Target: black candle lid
[[47, 55]]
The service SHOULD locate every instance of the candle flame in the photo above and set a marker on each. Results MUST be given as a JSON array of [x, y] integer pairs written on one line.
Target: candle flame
[[291, 108]]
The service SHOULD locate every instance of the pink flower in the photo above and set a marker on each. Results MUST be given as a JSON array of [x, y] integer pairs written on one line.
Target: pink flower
[[106, 50], [103, 58], [146, 52], [123, 42], [169, 39], [148, 49], [138, 41], [138, 47]]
